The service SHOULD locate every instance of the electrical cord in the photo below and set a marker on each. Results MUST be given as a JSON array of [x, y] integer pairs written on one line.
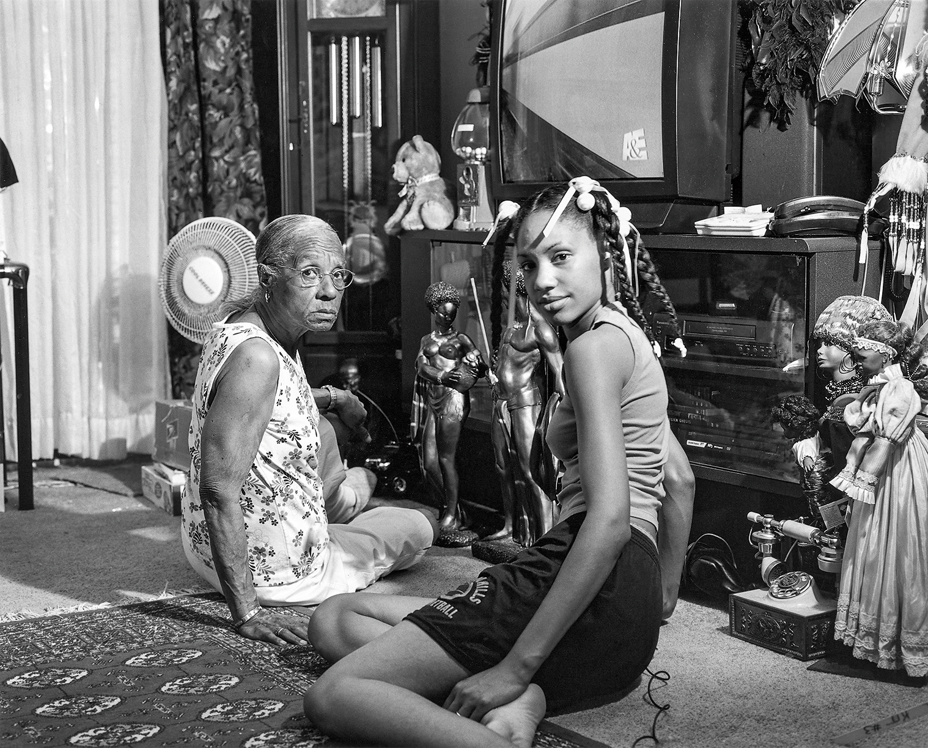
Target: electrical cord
[[396, 436], [663, 676], [789, 552], [702, 541]]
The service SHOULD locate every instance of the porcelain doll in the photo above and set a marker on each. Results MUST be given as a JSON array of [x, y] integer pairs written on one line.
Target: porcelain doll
[[883, 598], [799, 418], [834, 330], [820, 456]]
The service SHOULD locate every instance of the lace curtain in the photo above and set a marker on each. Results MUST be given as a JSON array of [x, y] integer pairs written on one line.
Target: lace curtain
[[83, 113]]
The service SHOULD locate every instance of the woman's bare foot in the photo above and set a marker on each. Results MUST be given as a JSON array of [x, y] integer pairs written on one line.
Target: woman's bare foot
[[518, 720]]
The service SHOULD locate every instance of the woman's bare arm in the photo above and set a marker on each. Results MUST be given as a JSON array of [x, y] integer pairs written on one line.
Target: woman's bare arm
[[238, 415]]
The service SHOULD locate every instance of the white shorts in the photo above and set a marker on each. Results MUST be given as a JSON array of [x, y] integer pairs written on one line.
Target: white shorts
[[377, 542], [363, 546]]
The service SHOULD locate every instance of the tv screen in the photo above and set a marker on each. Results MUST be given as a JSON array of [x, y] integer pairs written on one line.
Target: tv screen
[[637, 94]]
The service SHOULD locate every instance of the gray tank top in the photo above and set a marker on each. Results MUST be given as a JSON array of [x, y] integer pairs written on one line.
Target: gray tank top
[[644, 422]]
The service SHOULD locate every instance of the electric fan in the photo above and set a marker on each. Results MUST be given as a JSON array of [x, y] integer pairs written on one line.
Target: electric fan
[[207, 263]]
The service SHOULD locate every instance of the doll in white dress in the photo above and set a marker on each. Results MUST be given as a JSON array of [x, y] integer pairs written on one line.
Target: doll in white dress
[[883, 596]]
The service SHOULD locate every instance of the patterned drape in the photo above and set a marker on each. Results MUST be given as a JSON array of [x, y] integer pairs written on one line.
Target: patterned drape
[[214, 155]]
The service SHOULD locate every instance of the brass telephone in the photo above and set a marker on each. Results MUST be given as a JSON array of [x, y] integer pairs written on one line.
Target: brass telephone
[[825, 215]]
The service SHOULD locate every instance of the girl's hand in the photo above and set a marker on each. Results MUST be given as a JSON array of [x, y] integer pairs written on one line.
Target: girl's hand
[[473, 697], [275, 628]]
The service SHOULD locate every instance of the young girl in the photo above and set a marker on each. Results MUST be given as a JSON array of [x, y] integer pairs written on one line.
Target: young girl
[[573, 620]]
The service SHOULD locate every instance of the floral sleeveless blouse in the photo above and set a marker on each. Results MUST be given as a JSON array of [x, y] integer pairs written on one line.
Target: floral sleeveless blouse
[[281, 498]]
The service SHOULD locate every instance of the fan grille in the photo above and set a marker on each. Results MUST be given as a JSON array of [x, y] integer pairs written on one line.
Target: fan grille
[[215, 258]]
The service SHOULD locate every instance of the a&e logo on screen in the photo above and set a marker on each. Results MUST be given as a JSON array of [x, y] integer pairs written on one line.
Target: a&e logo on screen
[[634, 147]]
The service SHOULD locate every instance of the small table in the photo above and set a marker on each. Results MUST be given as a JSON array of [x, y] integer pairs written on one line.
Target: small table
[[18, 274]]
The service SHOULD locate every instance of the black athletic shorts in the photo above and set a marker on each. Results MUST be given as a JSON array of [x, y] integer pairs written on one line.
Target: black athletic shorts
[[600, 657]]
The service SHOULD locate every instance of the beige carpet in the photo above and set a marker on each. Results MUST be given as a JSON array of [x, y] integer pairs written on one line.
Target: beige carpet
[[93, 539]]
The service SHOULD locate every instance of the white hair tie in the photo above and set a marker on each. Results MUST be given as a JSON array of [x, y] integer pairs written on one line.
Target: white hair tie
[[585, 202], [507, 209]]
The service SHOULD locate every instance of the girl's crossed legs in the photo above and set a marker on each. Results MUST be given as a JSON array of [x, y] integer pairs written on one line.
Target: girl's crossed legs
[[389, 680]]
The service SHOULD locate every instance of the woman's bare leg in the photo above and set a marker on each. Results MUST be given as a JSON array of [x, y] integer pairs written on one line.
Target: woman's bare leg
[[390, 691]]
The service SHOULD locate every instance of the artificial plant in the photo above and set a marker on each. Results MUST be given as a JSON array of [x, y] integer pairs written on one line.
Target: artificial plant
[[787, 42]]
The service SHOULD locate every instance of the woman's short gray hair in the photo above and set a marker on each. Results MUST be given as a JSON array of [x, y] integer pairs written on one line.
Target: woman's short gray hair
[[277, 248]]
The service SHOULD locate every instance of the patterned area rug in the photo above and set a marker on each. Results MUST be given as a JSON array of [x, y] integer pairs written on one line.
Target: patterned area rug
[[163, 672]]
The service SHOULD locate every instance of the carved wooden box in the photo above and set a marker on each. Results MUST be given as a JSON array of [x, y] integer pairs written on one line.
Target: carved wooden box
[[802, 627]]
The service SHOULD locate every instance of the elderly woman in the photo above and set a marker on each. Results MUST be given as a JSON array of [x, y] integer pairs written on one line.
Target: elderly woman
[[447, 367], [264, 465]]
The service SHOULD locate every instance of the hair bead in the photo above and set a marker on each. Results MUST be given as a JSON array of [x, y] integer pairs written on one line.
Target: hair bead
[[585, 201]]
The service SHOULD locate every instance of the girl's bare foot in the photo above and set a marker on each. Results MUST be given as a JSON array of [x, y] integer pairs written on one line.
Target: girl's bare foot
[[518, 720]]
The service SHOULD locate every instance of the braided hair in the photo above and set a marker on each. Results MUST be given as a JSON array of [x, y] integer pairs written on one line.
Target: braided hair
[[604, 224], [496, 283]]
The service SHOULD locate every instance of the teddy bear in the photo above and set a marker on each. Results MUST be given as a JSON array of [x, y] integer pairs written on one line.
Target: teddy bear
[[425, 203]]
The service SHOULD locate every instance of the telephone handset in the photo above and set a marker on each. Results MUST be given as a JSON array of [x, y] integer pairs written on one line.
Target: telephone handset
[[821, 215]]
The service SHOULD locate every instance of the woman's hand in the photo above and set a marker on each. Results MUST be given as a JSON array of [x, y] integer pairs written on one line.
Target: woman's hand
[[276, 628], [353, 414], [473, 697]]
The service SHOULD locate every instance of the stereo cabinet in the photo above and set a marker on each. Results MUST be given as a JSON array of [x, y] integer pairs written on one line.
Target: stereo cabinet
[[746, 307]]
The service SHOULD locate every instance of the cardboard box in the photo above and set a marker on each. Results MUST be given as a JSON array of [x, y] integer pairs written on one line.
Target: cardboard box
[[172, 426], [164, 487]]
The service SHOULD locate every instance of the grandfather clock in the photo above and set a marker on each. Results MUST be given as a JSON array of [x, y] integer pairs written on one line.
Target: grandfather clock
[[357, 79]]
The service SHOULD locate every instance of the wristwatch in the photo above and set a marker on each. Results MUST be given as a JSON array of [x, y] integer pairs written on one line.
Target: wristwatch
[[333, 397]]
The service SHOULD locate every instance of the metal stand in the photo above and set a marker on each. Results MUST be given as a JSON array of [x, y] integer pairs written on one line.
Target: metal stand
[[18, 274]]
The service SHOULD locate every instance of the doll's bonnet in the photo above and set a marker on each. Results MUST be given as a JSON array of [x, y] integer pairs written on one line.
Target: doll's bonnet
[[839, 322]]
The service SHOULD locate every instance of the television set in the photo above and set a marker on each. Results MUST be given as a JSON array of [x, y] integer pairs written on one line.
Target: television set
[[642, 95]]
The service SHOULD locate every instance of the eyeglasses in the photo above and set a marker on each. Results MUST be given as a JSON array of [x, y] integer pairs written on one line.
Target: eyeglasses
[[312, 276]]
